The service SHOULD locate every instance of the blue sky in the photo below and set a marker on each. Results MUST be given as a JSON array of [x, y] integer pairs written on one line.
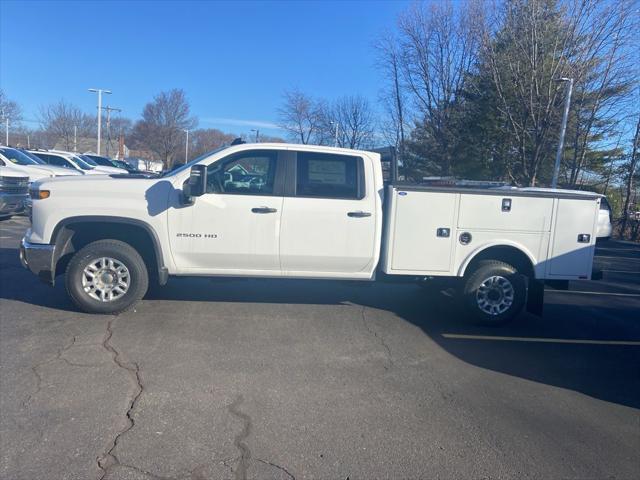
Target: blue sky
[[233, 59]]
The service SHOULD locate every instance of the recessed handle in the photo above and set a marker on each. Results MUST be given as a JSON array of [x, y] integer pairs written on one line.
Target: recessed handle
[[263, 210], [584, 238], [359, 214]]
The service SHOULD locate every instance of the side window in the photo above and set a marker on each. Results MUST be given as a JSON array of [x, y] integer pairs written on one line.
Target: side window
[[58, 161], [246, 173], [328, 176], [43, 157]]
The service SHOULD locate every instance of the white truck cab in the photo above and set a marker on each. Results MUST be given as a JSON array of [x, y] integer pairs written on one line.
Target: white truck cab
[[303, 211]]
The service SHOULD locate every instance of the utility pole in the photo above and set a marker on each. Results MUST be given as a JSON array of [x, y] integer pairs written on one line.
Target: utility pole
[[6, 127], [186, 147], [337, 128], [563, 129], [257, 134], [99, 91], [109, 109], [75, 138]]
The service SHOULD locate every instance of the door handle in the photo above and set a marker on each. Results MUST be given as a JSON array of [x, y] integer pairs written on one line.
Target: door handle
[[359, 214], [263, 210]]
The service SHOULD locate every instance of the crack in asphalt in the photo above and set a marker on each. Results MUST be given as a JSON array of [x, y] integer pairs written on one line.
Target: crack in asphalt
[[58, 356], [245, 453], [109, 459], [381, 340], [287, 472]]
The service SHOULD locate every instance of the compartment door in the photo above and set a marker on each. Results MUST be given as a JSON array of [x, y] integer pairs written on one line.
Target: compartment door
[[418, 245], [570, 257]]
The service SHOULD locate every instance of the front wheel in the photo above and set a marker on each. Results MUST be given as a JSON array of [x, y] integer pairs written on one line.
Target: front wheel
[[106, 276], [494, 293]]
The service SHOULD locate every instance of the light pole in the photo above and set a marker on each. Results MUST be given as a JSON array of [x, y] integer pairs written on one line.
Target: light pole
[[257, 134], [99, 91], [337, 129], [186, 146], [563, 129]]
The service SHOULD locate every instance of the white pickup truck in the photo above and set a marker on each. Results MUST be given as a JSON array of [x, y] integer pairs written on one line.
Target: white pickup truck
[[307, 212]]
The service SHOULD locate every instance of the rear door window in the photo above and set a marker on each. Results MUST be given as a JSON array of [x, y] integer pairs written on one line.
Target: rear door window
[[327, 175]]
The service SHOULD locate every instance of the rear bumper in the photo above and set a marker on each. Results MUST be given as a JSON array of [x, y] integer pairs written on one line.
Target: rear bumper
[[39, 259]]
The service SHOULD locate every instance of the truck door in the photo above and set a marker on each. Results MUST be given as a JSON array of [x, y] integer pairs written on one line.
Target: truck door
[[329, 217], [234, 228], [573, 239]]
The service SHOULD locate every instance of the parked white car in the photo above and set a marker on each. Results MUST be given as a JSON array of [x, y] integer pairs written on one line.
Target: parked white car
[[21, 163], [72, 161]]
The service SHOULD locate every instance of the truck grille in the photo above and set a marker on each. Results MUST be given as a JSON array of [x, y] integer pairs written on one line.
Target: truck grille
[[14, 185]]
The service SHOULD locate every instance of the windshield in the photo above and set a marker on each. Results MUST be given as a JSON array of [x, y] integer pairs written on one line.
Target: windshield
[[88, 160], [17, 157], [194, 161], [81, 163], [121, 164], [96, 160]]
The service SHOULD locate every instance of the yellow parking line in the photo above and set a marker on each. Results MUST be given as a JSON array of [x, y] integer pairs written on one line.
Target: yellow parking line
[[539, 340]]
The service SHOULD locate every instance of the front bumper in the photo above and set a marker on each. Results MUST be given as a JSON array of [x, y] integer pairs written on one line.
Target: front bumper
[[39, 259], [12, 204]]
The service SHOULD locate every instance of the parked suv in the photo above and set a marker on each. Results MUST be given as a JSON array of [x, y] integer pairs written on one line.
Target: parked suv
[[72, 161]]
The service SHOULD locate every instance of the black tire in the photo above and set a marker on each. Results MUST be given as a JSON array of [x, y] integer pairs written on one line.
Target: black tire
[[125, 254], [501, 298]]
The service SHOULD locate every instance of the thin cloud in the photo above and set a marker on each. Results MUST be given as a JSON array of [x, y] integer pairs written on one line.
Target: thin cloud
[[241, 123]]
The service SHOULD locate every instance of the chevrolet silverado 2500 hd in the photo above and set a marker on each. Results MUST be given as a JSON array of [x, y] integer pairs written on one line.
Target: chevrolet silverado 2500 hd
[[301, 211]]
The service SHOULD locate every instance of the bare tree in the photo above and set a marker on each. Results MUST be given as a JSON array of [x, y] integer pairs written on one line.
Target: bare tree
[[393, 97], [9, 109], [352, 119], [439, 45], [202, 141], [62, 122], [300, 115], [604, 75], [630, 171], [162, 126]]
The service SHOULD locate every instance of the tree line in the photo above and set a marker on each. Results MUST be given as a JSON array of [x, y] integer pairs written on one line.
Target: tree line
[[159, 133], [470, 89], [475, 90]]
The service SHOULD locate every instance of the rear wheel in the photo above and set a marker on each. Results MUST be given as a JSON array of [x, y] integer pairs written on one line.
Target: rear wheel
[[494, 293], [107, 276]]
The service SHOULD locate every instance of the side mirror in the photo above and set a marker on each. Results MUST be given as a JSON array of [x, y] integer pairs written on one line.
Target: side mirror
[[196, 186]]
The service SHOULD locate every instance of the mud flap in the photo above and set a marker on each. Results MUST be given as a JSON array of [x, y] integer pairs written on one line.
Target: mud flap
[[535, 297]]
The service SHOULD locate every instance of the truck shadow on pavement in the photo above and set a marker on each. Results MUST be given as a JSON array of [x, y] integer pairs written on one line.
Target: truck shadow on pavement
[[606, 372]]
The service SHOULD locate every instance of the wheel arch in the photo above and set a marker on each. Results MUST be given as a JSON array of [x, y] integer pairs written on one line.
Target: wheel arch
[[73, 233], [512, 253]]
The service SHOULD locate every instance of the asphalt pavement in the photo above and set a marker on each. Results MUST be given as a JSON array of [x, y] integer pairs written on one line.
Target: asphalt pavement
[[281, 379]]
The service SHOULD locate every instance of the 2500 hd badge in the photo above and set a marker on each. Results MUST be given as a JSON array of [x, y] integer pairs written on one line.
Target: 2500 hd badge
[[196, 235]]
